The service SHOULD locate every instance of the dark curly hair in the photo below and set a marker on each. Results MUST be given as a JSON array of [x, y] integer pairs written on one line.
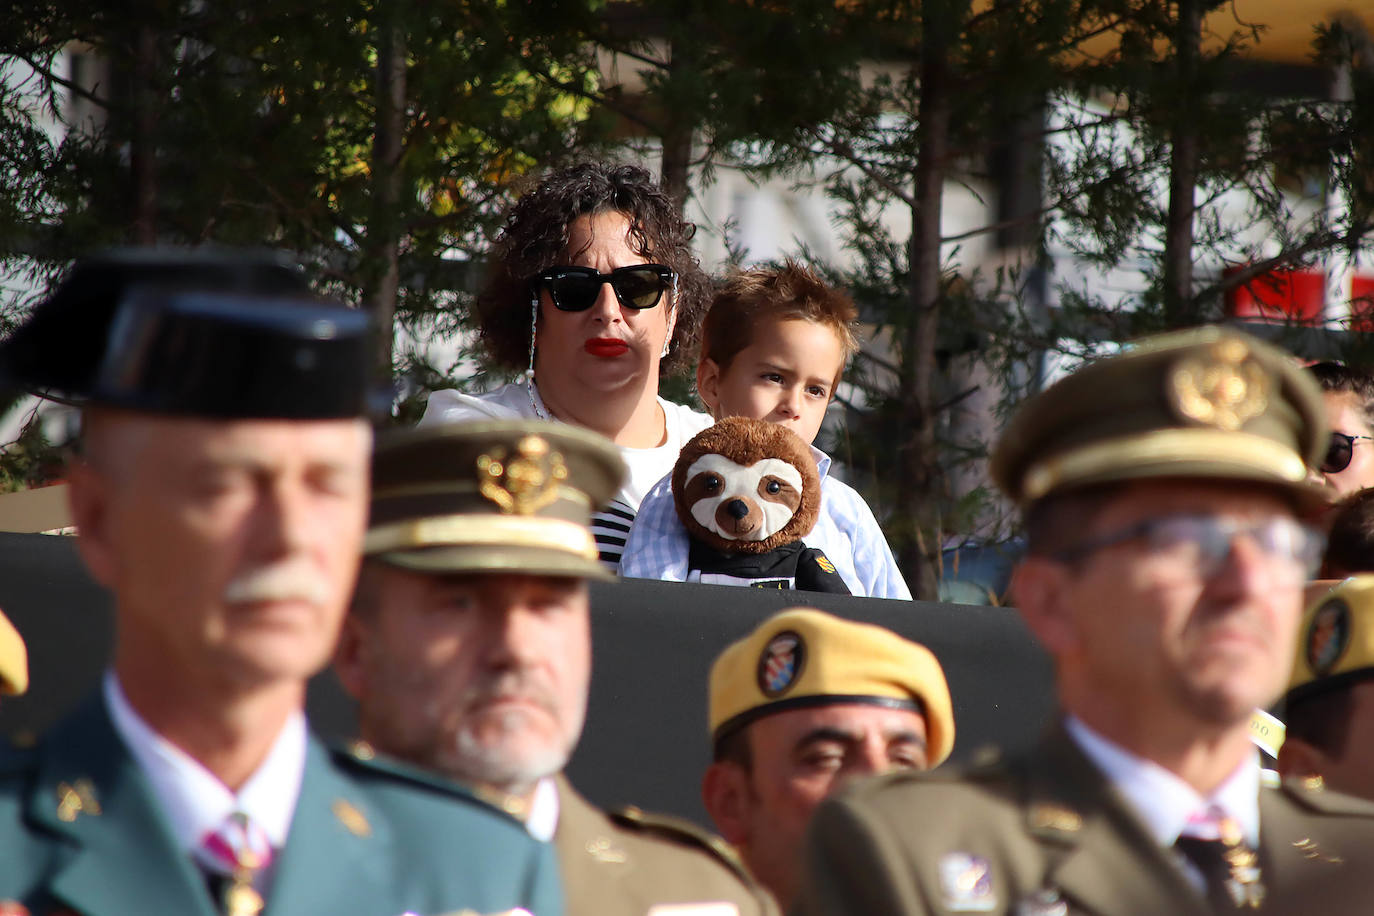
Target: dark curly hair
[[536, 236]]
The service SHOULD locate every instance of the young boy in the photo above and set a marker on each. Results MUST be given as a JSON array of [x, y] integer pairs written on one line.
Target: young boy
[[773, 347]]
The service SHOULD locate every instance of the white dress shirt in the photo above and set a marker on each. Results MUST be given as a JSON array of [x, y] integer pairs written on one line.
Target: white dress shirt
[[542, 823], [193, 800]]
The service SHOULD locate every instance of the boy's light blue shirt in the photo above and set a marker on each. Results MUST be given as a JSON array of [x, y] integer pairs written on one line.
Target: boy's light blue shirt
[[846, 531]]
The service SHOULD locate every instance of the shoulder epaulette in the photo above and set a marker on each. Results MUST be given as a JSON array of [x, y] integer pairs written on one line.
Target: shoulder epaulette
[[680, 831], [1311, 793], [361, 757]]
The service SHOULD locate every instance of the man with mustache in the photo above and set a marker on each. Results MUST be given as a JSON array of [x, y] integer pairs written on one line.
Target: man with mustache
[[221, 496], [468, 648], [1162, 492]]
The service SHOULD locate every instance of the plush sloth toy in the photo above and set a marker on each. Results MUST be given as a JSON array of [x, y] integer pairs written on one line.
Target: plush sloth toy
[[748, 491]]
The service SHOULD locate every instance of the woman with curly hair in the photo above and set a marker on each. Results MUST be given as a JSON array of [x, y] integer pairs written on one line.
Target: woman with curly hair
[[593, 292]]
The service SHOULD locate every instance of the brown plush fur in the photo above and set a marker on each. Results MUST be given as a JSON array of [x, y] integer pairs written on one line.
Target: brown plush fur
[[744, 442]]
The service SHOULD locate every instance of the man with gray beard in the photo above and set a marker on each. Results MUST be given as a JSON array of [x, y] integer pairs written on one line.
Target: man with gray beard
[[468, 648]]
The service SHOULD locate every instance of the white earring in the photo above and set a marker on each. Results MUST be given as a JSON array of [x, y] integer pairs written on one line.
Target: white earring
[[534, 324]]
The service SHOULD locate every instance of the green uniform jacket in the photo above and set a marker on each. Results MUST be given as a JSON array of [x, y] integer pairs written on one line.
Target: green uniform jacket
[[81, 832], [1045, 835], [628, 864]]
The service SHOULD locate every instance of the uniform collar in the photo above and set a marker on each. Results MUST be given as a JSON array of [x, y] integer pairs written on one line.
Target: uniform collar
[[1160, 798], [192, 799]]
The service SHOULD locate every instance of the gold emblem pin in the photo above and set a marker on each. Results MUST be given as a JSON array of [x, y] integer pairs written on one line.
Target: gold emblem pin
[[1226, 388], [76, 798], [353, 820], [1055, 817], [525, 483], [603, 850]]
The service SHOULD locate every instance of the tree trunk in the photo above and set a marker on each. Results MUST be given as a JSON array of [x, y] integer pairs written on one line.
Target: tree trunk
[[677, 142], [383, 235], [143, 143], [919, 491], [1179, 309]]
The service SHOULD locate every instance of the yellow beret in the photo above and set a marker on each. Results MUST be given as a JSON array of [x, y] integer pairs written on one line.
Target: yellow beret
[[14, 659], [802, 657], [1336, 639], [1207, 402]]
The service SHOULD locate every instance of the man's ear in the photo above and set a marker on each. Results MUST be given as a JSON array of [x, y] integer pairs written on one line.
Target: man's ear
[[1037, 587], [725, 793], [708, 384], [1299, 759], [348, 655], [88, 501]]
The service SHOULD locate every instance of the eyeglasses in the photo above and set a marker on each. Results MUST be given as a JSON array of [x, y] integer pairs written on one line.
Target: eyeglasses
[[1199, 545], [1339, 452], [574, 289]]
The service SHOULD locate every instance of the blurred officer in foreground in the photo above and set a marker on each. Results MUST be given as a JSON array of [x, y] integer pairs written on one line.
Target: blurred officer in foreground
[[468, 649], [1164, 576], [804, 702], [1329, 708], [221, 496]]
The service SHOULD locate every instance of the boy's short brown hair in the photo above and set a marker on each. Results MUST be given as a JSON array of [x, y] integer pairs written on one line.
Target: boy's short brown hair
[[791, 291]]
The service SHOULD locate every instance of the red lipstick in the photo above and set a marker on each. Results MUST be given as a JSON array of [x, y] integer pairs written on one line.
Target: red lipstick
[[606, 347]]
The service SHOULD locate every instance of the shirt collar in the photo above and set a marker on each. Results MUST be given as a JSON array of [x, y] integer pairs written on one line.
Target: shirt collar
[[1162, 800], [543, 820], [822, 461], [192, 799]]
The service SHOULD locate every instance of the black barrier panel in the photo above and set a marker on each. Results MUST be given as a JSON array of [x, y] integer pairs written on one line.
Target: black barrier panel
[[645, 742]]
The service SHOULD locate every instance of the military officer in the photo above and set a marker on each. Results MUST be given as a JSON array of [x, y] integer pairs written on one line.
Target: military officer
[[802, 703], [221, 496], [1164, 574], [1329, 707], [469, 651]]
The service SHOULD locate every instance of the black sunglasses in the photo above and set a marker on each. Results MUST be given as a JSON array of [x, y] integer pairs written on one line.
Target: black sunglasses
[[1339, 453], [574, 289]]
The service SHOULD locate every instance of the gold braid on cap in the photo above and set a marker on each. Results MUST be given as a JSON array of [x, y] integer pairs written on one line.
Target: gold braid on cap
[[1160, 446], [482, 530]]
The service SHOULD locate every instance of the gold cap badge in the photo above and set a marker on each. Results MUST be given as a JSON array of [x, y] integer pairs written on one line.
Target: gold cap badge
[[1224, 388], [527, 482]]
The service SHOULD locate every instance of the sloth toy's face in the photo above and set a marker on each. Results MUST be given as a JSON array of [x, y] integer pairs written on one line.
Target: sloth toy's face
[[742, 502]]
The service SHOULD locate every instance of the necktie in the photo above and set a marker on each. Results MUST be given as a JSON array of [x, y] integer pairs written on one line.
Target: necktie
[[236, 853], [1230, 869]]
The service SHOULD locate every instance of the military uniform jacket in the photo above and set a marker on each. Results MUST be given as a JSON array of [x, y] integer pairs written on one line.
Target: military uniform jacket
[[634, 865], [81, 833], [1046, 835]]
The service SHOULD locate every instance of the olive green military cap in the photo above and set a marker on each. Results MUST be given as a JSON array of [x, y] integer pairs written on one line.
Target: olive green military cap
[[491, 496], [802, 657], [1208, 402], [1335, 640]]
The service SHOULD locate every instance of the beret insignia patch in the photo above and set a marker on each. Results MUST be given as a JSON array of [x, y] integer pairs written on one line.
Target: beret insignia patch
[[781, 663], [1225, 389], [1327, 636]]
